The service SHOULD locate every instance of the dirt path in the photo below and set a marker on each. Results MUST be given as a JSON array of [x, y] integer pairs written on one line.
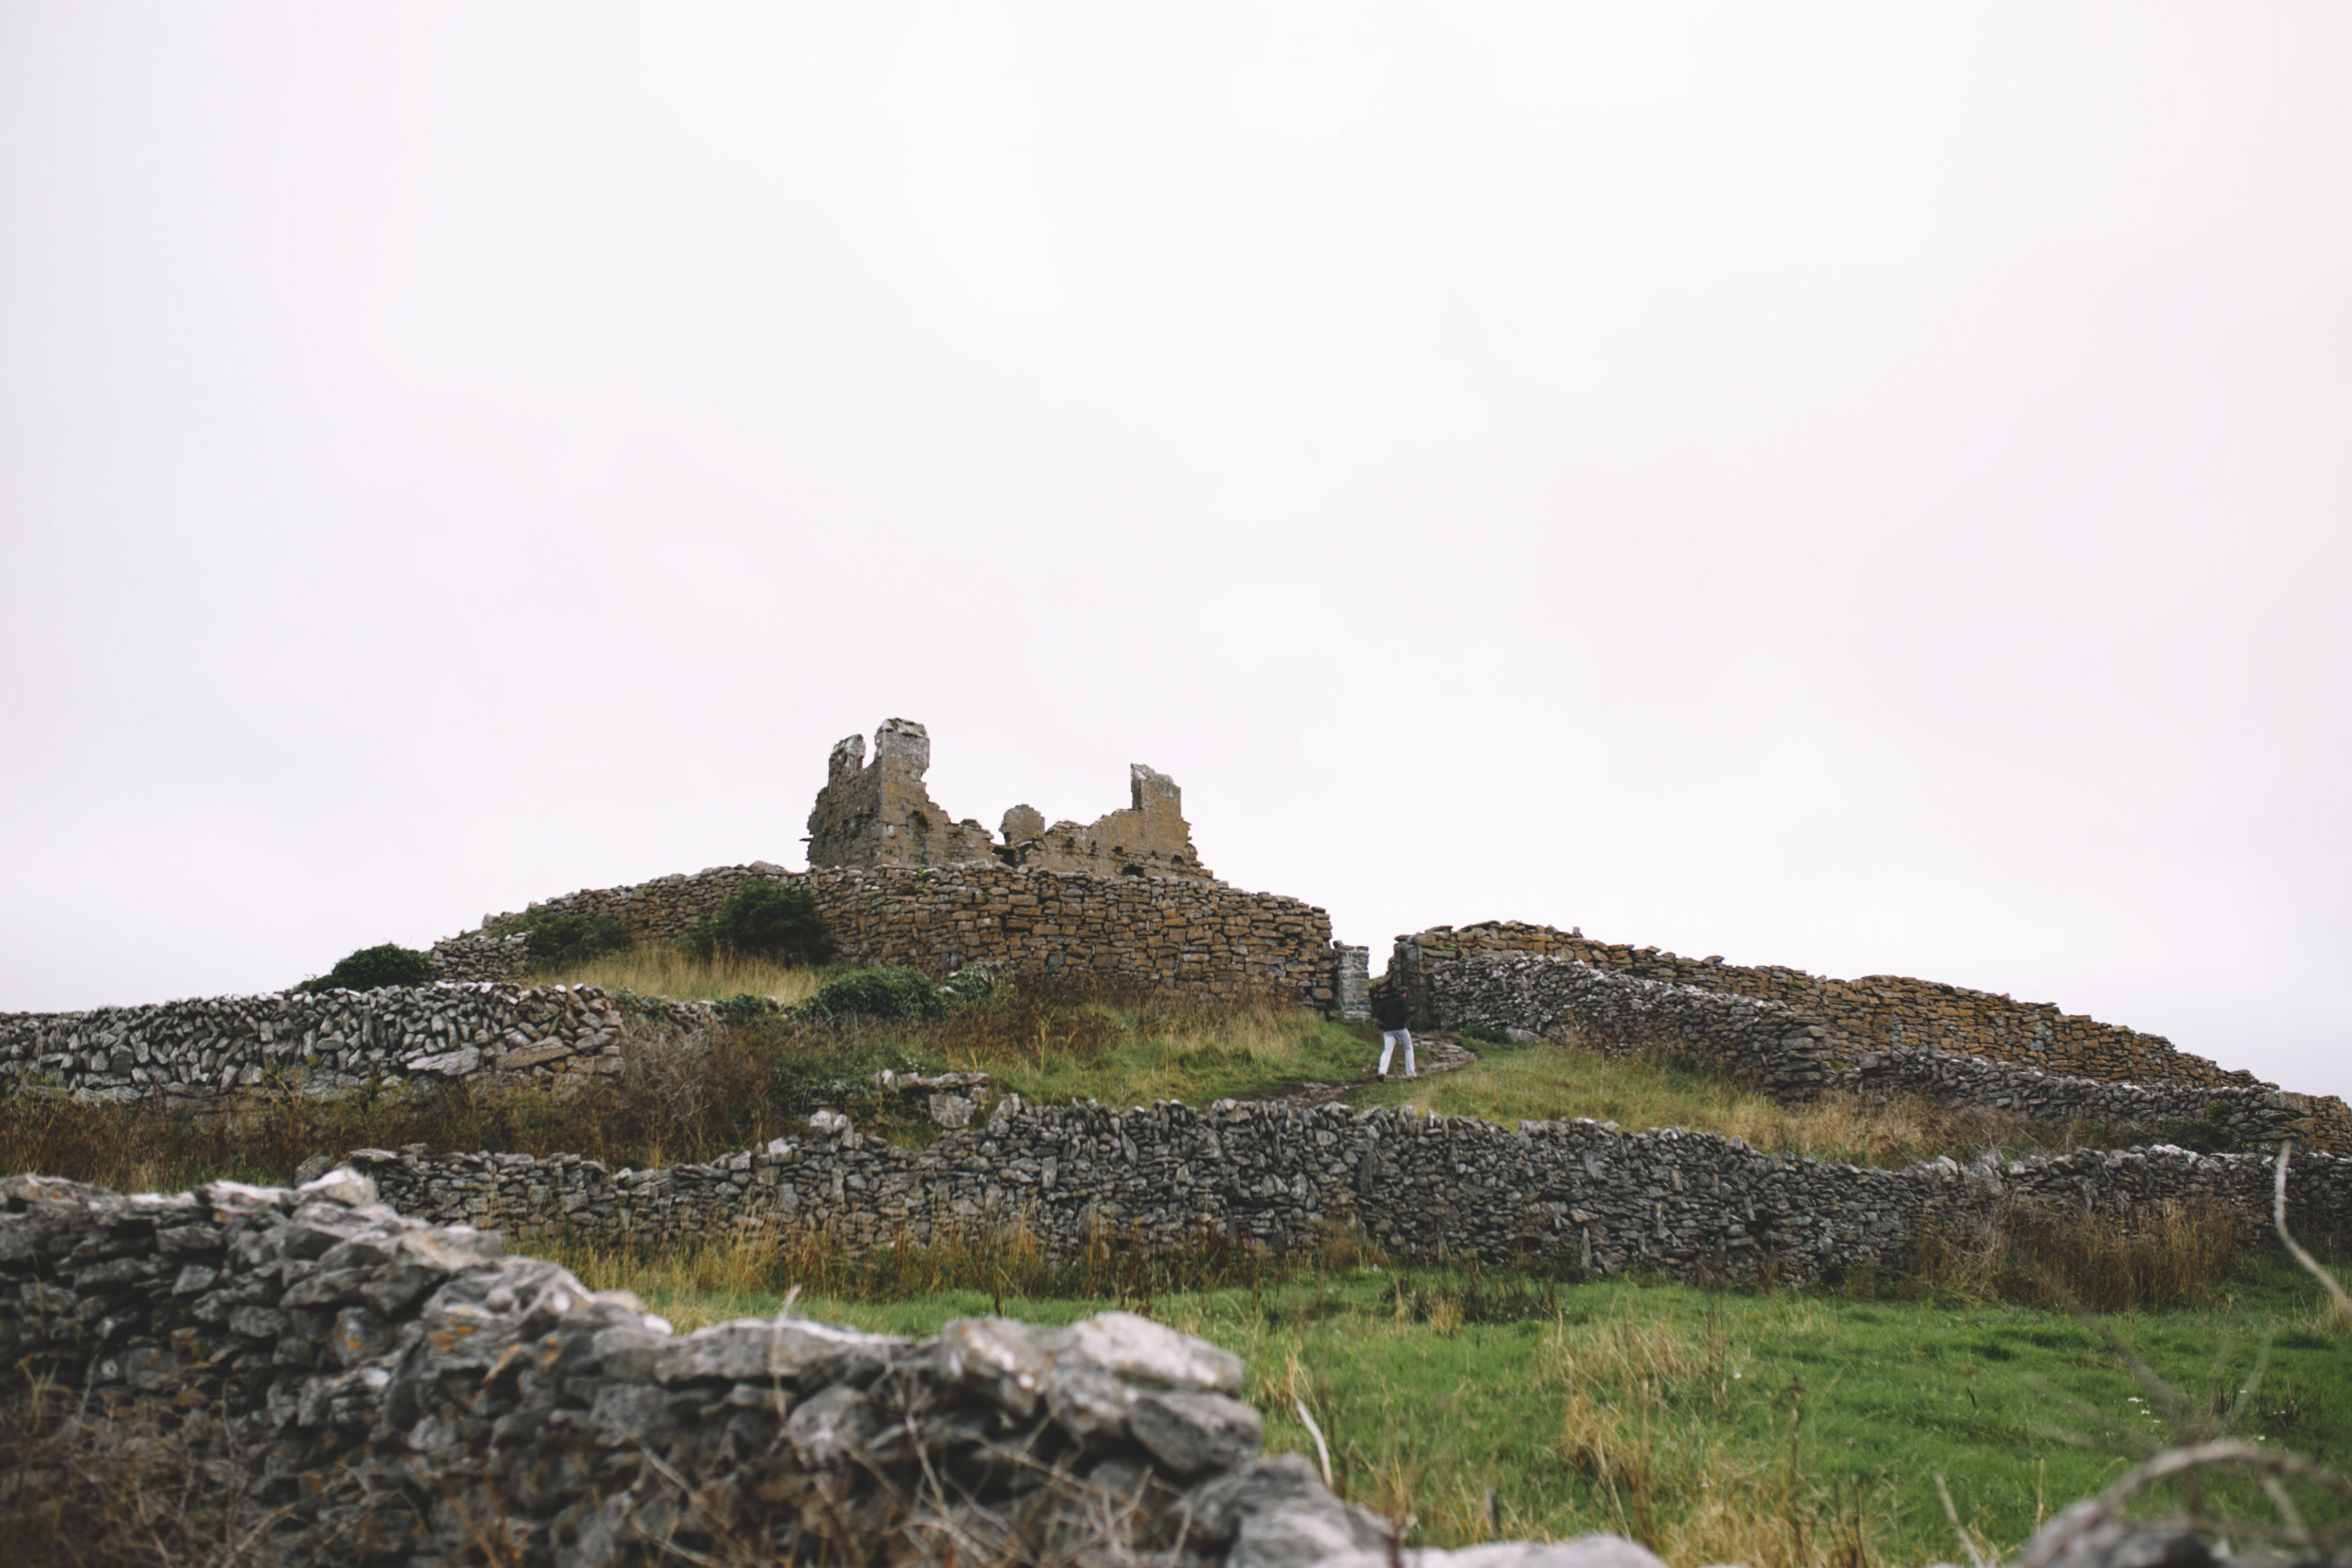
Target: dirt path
[[1431, 1054]]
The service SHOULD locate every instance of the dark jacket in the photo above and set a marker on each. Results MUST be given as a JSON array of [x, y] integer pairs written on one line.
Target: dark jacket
[[1391, 1010]]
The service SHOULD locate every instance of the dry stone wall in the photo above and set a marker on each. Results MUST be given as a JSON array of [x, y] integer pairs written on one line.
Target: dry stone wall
[[1767, 1043], [1282, 1181], [1874, 1012], [188, 1053], [2256, 1116], [1175, 933], [1616, 998], [1790, 1054], [405, 1393]]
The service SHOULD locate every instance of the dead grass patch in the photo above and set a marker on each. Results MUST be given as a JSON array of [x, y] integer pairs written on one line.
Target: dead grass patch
[[91, 1485], [2168, 1253]]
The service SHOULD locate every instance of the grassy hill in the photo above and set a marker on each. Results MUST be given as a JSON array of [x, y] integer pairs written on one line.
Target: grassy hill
[[1786, 1429]]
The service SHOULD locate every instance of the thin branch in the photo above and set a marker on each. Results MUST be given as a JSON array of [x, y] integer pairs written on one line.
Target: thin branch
[[2336, 1292], [2178, 1462], [2287, 1511], [1323, 1450], [1967, 1542]]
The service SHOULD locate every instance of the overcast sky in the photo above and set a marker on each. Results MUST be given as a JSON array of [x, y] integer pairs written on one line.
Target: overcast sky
[[1856, 486]]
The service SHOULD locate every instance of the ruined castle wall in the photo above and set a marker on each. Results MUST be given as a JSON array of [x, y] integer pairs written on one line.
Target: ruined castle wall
[[1280, 1180], [1869, 1014], [1173, 932], [880, 813]]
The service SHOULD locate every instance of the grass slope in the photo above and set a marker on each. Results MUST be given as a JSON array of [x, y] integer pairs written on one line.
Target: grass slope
[[681, 1101]]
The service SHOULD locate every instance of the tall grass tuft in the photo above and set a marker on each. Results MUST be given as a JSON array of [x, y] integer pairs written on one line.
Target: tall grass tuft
[[748, 1270], [1545, 1082], [677, 1098], [668, 969], [85, 1485], [2174, 1254], [1646, 1417]]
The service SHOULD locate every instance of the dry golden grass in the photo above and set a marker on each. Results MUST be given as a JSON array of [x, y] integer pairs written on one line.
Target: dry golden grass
[[1642, 1407], [1548, 1082], [123, 1485], [676, 1098], [745, 1272], [2071, 1260], [1136, 1050], [664, 969]]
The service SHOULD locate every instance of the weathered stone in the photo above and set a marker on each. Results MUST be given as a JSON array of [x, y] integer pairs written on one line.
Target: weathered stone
[[1190, 1433], [1584, 1551], [1274, 1513], [1141, 1351]]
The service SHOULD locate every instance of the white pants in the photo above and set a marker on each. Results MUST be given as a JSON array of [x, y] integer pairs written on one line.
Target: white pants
[[1388, 1048]]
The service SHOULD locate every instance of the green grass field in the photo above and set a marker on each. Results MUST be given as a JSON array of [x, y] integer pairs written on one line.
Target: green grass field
[[1780, 1429]]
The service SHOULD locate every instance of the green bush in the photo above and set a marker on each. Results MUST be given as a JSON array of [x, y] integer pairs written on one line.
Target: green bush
[[829, 1069], [373, 968], [764, 919], [1486, 1035], [2208, 1132], [882, 990], [741, 1008], [560, 940], [974, 983]]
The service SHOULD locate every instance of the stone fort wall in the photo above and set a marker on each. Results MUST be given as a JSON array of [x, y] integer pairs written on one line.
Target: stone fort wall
[[1873, 1013], [1793, 1056], [550, 1037], [1280, 1180], [1177, 933]]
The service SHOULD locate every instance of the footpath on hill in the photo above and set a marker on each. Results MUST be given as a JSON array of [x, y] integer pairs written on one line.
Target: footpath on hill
[[1433, 1054]]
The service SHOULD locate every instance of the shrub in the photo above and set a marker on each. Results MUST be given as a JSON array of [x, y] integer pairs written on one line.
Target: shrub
[[560, 940], [879, 991], [740, 1008], [974, 983], [373, 968], [766, 920], [2208, 1132]]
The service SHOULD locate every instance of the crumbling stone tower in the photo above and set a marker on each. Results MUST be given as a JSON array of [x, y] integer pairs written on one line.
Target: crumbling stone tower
[[879, 814]]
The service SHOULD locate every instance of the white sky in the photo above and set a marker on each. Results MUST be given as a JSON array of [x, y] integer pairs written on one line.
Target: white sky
[[1858, 486]]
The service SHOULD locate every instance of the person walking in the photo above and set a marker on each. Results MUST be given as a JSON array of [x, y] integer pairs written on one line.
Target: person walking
[[1390, 1014]]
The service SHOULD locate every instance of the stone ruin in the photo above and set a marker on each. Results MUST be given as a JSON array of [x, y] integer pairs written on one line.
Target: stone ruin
[[878, 813]]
